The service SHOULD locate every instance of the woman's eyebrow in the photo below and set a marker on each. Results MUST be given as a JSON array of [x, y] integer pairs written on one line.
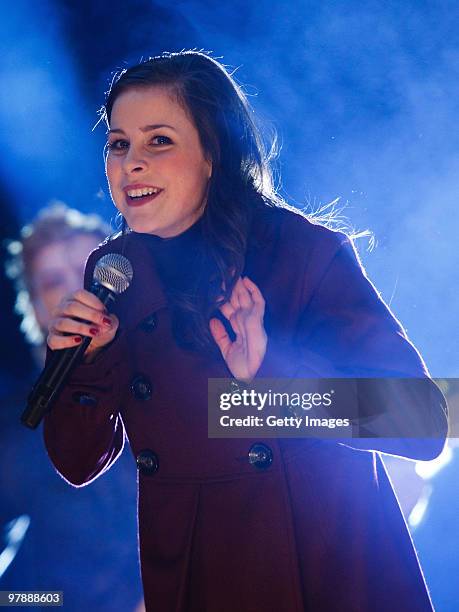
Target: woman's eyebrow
[[146, 128], [155, 126]]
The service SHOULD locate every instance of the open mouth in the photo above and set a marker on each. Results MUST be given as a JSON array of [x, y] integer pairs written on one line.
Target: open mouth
[[138, 197]]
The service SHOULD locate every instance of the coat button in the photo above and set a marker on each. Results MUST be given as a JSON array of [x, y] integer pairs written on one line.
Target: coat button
[[149, 324], [147, 462], [141, 388], [261, 456]]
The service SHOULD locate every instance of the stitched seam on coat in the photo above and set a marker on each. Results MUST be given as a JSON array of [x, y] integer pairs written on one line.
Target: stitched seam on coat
[[297, 586], [183, 589]]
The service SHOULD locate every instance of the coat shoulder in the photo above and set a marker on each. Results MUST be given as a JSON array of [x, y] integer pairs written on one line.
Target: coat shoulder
[[292, 233]]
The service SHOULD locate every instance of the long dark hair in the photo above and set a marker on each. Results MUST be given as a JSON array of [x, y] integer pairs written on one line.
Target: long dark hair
[[241, 180]]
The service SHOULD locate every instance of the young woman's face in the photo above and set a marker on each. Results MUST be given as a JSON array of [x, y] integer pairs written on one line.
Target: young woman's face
[[155, 165]]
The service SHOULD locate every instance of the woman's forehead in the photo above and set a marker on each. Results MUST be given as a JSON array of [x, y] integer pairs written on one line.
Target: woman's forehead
[[147, 106]]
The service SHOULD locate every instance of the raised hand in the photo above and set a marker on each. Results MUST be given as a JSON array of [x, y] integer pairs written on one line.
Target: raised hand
[[245, 311], [81, 314]]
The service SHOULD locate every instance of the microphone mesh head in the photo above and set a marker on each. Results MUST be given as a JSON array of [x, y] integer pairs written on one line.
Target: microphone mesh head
[[113, 271]]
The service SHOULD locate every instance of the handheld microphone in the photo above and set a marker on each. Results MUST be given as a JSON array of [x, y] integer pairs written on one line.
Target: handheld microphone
[[112, 275]]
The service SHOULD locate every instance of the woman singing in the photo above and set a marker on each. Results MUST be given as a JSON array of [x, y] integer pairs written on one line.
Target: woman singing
[[231, 282]]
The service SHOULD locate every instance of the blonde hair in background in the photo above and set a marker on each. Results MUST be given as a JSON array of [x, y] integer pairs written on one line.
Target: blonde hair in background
[[55, 222]]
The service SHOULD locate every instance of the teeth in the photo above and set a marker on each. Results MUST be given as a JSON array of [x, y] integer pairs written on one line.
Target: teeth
[[138, 193]]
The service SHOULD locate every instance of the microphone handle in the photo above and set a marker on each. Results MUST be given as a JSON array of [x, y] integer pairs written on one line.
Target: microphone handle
[[56, 372]]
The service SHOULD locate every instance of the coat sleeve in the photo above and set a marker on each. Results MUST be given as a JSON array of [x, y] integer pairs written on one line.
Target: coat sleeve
[[346, 331], [84, 432]]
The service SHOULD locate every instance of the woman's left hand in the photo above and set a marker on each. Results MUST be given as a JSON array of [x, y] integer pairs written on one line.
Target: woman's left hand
[[245, 311]]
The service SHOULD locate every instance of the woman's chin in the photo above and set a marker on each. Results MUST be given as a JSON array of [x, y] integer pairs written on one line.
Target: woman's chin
[[142, 226]]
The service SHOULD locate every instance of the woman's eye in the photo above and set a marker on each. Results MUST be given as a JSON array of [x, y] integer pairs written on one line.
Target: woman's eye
[[117, 145], [161, 140], [120, 146]]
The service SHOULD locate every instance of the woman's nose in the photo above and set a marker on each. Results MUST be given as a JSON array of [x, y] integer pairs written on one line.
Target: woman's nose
[[134, 161]]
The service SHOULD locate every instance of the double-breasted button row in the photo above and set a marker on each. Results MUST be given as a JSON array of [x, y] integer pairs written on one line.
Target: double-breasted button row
[[141, 387], [259, 455]]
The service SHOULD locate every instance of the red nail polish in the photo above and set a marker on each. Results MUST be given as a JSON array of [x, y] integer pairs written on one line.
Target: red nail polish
[[77, 339], [107, 321], [93, 331]]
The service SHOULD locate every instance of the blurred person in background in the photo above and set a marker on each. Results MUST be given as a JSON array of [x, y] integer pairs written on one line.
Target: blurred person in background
[[81, 541]]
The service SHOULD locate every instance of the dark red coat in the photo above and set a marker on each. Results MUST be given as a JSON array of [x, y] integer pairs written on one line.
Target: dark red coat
[[320, 529]]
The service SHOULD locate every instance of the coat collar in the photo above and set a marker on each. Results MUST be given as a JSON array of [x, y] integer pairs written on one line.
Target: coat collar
[[145, 295]]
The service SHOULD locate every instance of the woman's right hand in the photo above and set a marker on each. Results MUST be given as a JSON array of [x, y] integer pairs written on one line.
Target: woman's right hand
[[81, 314]]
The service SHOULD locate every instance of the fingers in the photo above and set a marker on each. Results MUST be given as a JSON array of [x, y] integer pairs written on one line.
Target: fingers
[[82, 305], [66, 333], [64, 325], [244, 310], [89, 299], [56, 342], [229, 307], [237, 323], [246, 296], [243, 295], [255, 294], [81, 314], [249, 294], [234, 300], [233, 309], [227, 310], [220, 335]]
